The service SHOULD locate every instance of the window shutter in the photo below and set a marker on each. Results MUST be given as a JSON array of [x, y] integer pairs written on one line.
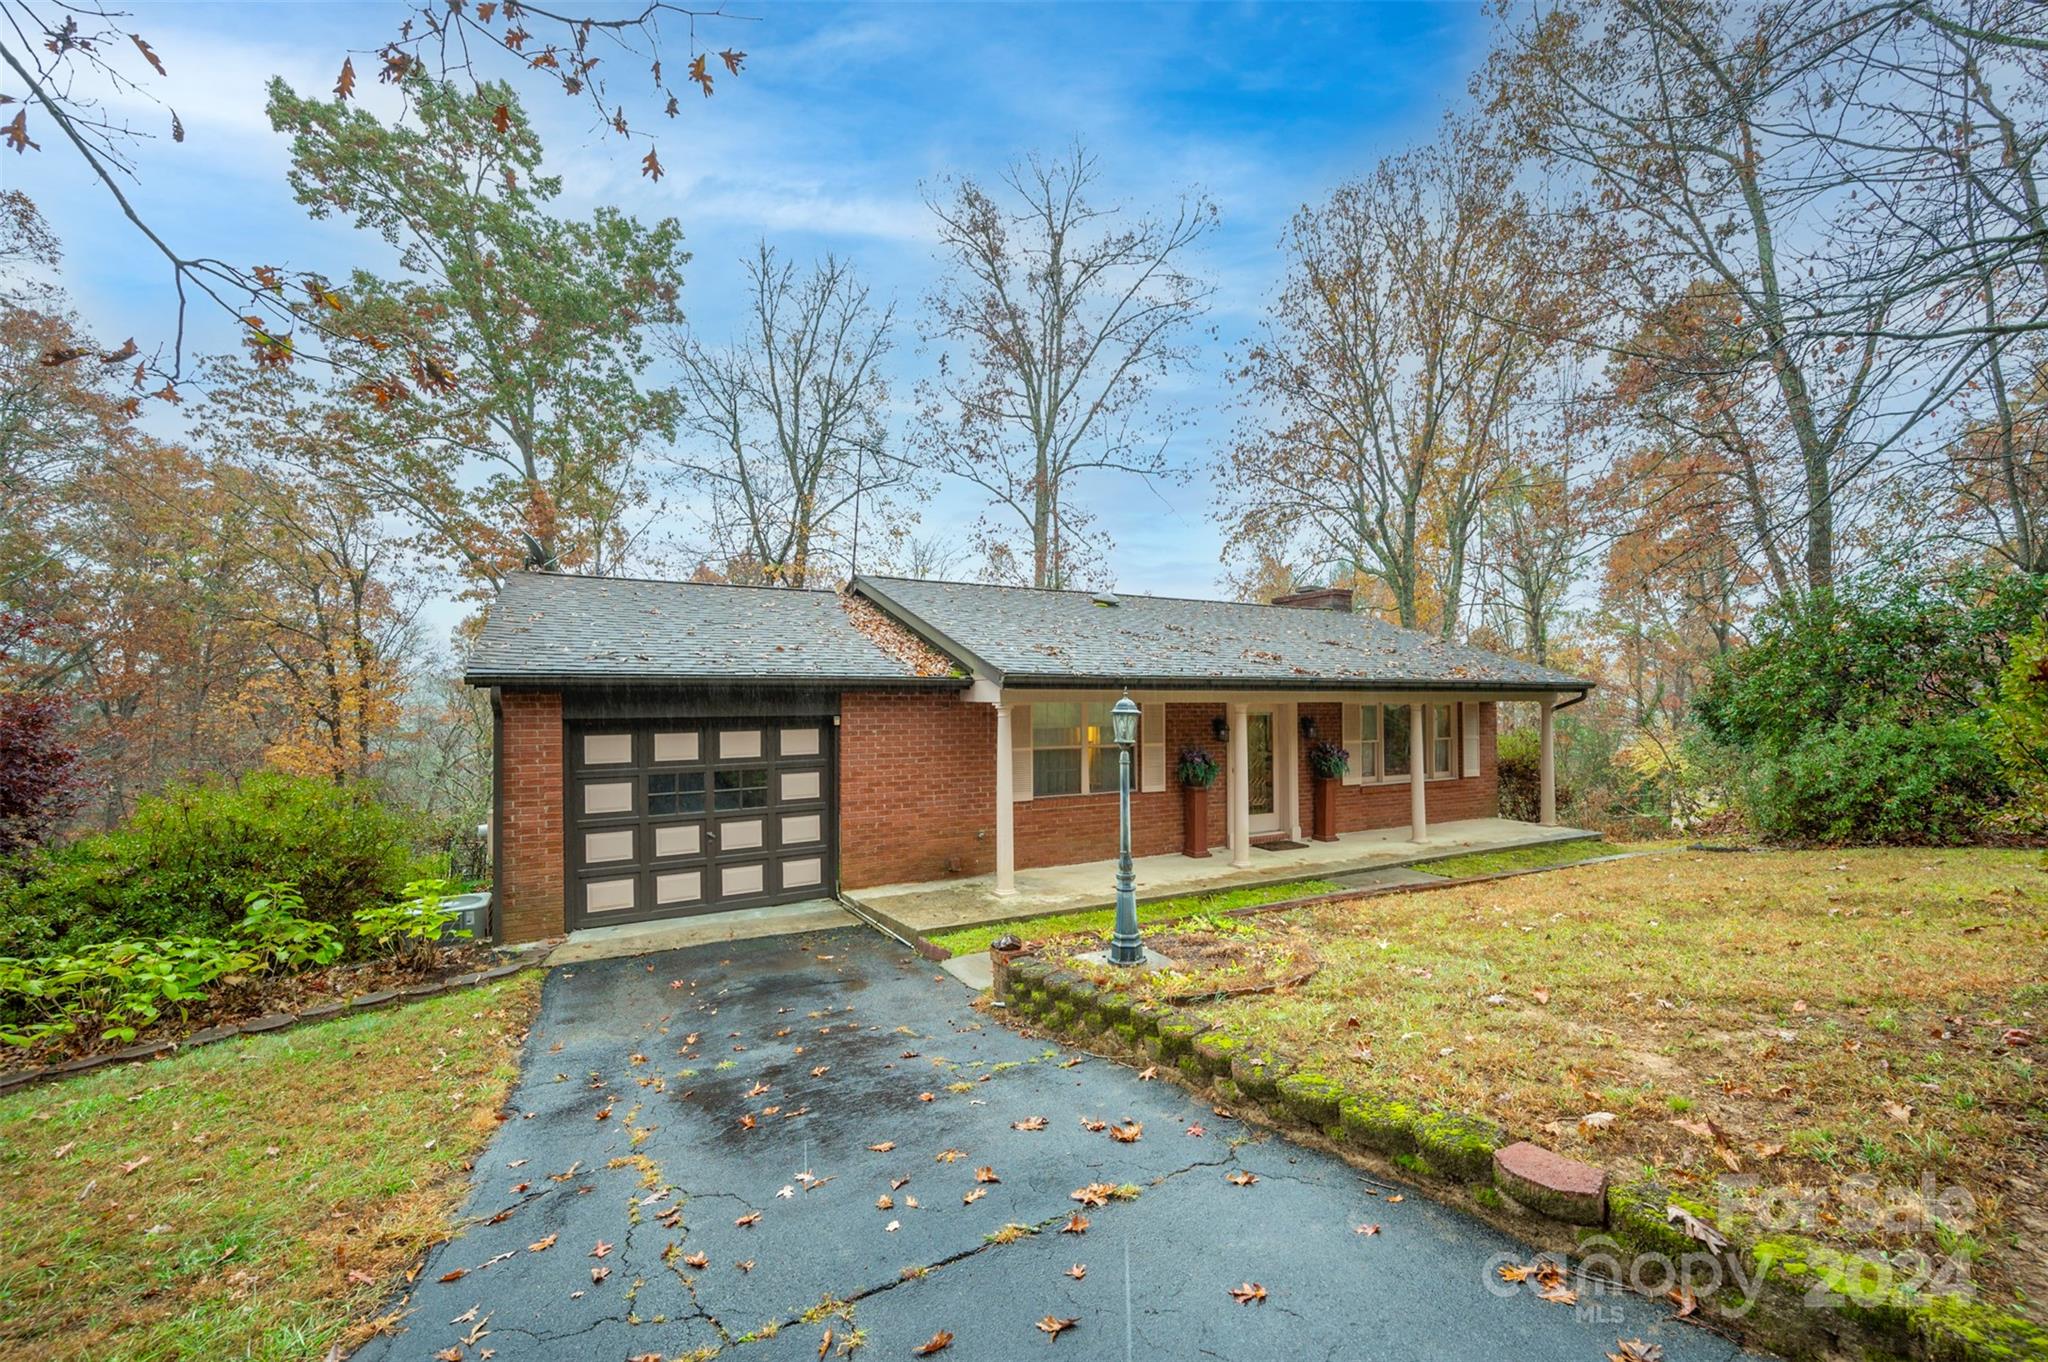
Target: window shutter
[[1471, 765], [1152, 747], [1020, 753], [1354, 743]]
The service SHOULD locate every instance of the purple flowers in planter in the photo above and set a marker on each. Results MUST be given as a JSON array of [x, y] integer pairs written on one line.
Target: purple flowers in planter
[[1328, 760]]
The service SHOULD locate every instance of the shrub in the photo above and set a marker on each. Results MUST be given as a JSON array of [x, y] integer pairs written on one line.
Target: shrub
[[1883, 783], [1865, 715], [274, 927], [2019, 726], [110, 990], [189, 859], [413, 926], [1518, 758]]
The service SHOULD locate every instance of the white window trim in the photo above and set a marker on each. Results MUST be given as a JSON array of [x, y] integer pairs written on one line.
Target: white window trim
[[1354, 720], [1031, 749]]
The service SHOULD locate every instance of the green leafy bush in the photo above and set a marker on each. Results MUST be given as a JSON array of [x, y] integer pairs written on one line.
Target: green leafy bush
[[275, 928], [189, 859], [111, 990], [2019, 727], [1884, 783], [1866, 715], [413, 926]]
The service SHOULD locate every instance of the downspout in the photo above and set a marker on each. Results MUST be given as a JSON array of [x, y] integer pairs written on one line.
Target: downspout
[[497, 815]]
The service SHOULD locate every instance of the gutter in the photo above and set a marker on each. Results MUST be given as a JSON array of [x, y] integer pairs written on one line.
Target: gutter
[[1042, 682], [560, 680]]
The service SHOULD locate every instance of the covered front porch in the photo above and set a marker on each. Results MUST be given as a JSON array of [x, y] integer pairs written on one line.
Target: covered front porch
[[942, 905]]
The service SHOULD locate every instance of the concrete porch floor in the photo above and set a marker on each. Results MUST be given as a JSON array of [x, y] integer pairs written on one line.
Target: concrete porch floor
[[941, 905]]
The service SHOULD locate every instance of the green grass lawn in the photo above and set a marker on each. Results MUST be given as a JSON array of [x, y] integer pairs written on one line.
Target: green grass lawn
[[258, 1198], [969, 940], [1520, 858], [1808, 1018]]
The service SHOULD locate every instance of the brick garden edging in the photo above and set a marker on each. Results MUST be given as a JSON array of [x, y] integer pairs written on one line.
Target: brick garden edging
[[274, 1021], [1562, 1199]]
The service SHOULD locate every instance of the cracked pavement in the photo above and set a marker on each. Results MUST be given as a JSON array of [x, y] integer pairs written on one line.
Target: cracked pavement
[[666, 1174]]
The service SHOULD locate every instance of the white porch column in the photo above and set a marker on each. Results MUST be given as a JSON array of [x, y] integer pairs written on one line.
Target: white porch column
[[1240, 790], [1287, 768], [1418, 773], [1006, 794], [1546, 780]]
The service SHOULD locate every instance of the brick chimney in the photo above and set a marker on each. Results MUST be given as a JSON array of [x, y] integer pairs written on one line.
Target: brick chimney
[[1321, 598]]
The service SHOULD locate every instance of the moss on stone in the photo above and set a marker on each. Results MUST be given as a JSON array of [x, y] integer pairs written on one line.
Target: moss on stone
[[1258, 1073], [1310, 1098], [1228, 1091], [1487, 1196], [1636, 1220], [1952, 1328], [1415, 1164], [1212, 1053], [1174, 1038], [1462, 1146], [1383, 1125]]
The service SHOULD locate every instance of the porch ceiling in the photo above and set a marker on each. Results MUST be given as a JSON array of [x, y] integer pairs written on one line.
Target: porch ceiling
[[942, 905]]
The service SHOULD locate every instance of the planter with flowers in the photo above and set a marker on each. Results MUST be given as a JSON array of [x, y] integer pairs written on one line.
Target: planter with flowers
[[1328, 762], [1196, 771]]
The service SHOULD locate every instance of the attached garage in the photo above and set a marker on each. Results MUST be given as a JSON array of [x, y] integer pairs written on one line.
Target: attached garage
[[674, 817], [670, 749]]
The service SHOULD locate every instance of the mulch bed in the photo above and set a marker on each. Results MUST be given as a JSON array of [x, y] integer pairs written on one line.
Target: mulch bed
[[245, 1000], [1208, 961]]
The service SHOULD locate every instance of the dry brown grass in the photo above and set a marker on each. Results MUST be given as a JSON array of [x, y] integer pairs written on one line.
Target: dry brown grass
[[1829, 1015], [257, 1198]]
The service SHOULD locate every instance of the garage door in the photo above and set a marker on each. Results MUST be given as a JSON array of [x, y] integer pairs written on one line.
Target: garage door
[[672, 819]]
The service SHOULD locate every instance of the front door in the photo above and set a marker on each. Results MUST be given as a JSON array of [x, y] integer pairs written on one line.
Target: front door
[[1265, 804]]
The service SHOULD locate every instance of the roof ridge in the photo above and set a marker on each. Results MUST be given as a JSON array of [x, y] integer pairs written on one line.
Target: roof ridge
[[531, 575]]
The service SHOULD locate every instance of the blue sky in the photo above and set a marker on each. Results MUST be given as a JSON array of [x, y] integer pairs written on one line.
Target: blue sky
[[822, 144]]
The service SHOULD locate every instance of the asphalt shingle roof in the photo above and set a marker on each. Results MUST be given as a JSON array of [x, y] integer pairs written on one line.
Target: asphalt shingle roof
[[545, 627], [1027, 635]]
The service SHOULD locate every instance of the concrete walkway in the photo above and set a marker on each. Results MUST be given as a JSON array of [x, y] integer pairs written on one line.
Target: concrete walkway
[[942, 905], [743, 924], [738, 1147]]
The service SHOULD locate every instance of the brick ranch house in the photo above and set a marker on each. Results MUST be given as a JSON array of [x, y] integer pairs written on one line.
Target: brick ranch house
[[667, 749]]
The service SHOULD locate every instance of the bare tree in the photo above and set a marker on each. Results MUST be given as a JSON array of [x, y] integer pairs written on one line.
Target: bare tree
[[1417, 305], [789, 422], [1789, 186], [1056, 321]]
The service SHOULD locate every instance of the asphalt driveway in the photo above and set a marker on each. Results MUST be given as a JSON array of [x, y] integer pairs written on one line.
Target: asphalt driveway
[[714, 1120]]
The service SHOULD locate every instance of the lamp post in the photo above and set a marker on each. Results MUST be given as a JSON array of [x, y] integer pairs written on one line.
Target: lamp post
[[1124, 946]]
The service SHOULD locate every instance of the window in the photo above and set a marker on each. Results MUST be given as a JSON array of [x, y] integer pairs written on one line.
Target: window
[[1383, 740], [680, 792], [1396, 739], [743, 789], [1071, 751]]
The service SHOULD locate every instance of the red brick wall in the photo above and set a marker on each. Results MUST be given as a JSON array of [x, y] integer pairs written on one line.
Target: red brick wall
[[917, 787], [529, 842], [1360, 807], [917, 792]]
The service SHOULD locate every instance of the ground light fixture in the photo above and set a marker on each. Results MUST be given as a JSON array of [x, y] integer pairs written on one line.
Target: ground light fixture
[[1124, 946]]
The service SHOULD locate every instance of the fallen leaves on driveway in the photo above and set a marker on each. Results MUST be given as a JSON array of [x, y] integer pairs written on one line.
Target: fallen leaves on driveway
[[1251, 1293], [1053, 1326], [938, 1342], [1243, 1177]]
